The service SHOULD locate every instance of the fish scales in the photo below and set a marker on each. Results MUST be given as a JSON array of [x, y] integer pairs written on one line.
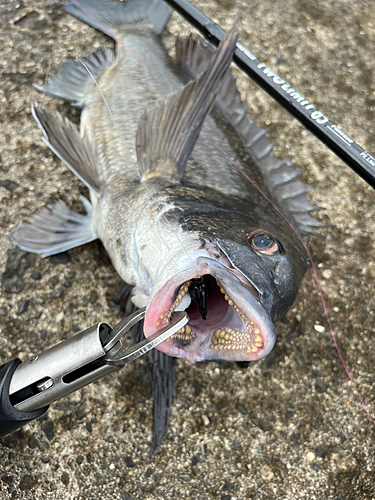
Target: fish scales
[[158, 148]]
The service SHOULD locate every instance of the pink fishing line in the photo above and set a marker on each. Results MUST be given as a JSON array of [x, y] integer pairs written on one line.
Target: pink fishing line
[[313, 267], [326, 312]]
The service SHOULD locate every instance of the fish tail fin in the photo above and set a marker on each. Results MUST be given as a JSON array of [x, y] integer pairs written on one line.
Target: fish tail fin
[[55, 229], [110, 17]]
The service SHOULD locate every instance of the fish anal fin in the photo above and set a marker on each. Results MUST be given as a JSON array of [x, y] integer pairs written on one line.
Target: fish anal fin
[[55, 229], [64, 139], [167, 133]]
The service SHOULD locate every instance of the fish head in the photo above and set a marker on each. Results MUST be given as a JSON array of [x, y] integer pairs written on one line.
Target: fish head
[[242, 274]]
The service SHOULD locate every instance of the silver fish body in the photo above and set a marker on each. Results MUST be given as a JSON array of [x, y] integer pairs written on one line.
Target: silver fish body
[[161, 147]]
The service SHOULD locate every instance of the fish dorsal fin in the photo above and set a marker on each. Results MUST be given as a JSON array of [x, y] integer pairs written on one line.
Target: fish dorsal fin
[[168, 132], [194, 55]]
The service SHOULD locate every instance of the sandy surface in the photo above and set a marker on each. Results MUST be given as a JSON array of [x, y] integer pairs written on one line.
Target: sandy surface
[[290, 427]]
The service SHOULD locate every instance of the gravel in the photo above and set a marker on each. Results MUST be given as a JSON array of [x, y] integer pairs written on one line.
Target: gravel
[[324, 49]]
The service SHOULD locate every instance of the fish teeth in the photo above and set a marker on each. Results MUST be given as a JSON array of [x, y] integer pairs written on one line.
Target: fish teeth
[[184, 333], [230, 339], [180, 304]]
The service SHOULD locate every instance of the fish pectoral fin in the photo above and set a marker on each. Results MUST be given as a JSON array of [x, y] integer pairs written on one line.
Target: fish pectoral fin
[[167, 133], [64, 139], [55, 229], [76, 78]]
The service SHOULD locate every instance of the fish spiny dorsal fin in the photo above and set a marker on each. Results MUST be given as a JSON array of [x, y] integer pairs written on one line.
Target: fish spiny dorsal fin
[[194, 55], [76, 78], [168, 132]]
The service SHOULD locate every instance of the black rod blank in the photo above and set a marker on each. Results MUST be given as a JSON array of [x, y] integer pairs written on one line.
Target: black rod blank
[[316, 122]]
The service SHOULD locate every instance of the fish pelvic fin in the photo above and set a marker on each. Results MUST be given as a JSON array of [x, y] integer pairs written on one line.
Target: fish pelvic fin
[[55, 229], [111, 17], [64, 139], [281, 177], [167, 133], [76, 78]]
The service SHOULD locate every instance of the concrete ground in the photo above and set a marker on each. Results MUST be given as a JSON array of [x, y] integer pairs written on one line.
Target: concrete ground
[[289, 427]]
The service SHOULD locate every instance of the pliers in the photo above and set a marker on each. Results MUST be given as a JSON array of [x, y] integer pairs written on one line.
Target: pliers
[[26, 389]]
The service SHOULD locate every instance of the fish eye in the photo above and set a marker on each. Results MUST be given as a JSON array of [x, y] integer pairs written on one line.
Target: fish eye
[[263, 242]]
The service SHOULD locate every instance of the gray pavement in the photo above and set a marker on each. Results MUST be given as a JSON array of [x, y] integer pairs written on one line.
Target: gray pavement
[[290, 427]]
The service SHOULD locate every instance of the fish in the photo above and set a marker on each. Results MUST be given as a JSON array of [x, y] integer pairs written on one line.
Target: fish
[[163, 147]]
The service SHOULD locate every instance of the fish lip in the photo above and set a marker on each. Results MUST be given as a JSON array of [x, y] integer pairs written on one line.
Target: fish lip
[[246, 300]]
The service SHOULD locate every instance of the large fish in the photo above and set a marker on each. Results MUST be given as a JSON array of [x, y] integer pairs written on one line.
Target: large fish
[[159, 148]]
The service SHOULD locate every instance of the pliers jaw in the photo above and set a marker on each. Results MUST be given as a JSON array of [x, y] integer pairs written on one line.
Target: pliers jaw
[[118, 355]]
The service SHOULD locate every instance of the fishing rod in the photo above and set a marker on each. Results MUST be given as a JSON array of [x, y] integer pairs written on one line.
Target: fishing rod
[[300, 108]]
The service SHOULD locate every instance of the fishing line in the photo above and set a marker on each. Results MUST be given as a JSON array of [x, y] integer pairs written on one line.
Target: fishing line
[[326, 312], [144, 184]]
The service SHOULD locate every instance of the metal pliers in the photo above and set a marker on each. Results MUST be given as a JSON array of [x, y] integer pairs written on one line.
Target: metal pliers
[[26, 389]]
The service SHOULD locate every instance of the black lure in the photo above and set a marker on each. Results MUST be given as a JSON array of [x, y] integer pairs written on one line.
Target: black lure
[[198, 294]]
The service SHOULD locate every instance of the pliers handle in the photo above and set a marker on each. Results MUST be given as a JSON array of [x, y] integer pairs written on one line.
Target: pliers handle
[[80, 360]]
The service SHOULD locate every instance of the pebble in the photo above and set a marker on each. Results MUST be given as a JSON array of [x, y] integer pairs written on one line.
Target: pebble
[[125, 496], [205, 420], [10, 185], [36, 276], [266, 473], [59, 317], [327, 274], [60, 258], [319, 328], [320, 451], [49, 429], [241, 408], [320, 386], [33, 442], [310, 456], [26, 483], [185, 478], [17, 263], [23, 307], [53, 281], [65, 478], [93, 296], [129, 461]]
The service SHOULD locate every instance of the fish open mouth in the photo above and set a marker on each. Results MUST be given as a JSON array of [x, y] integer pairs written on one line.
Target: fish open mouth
[[227, 322]]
